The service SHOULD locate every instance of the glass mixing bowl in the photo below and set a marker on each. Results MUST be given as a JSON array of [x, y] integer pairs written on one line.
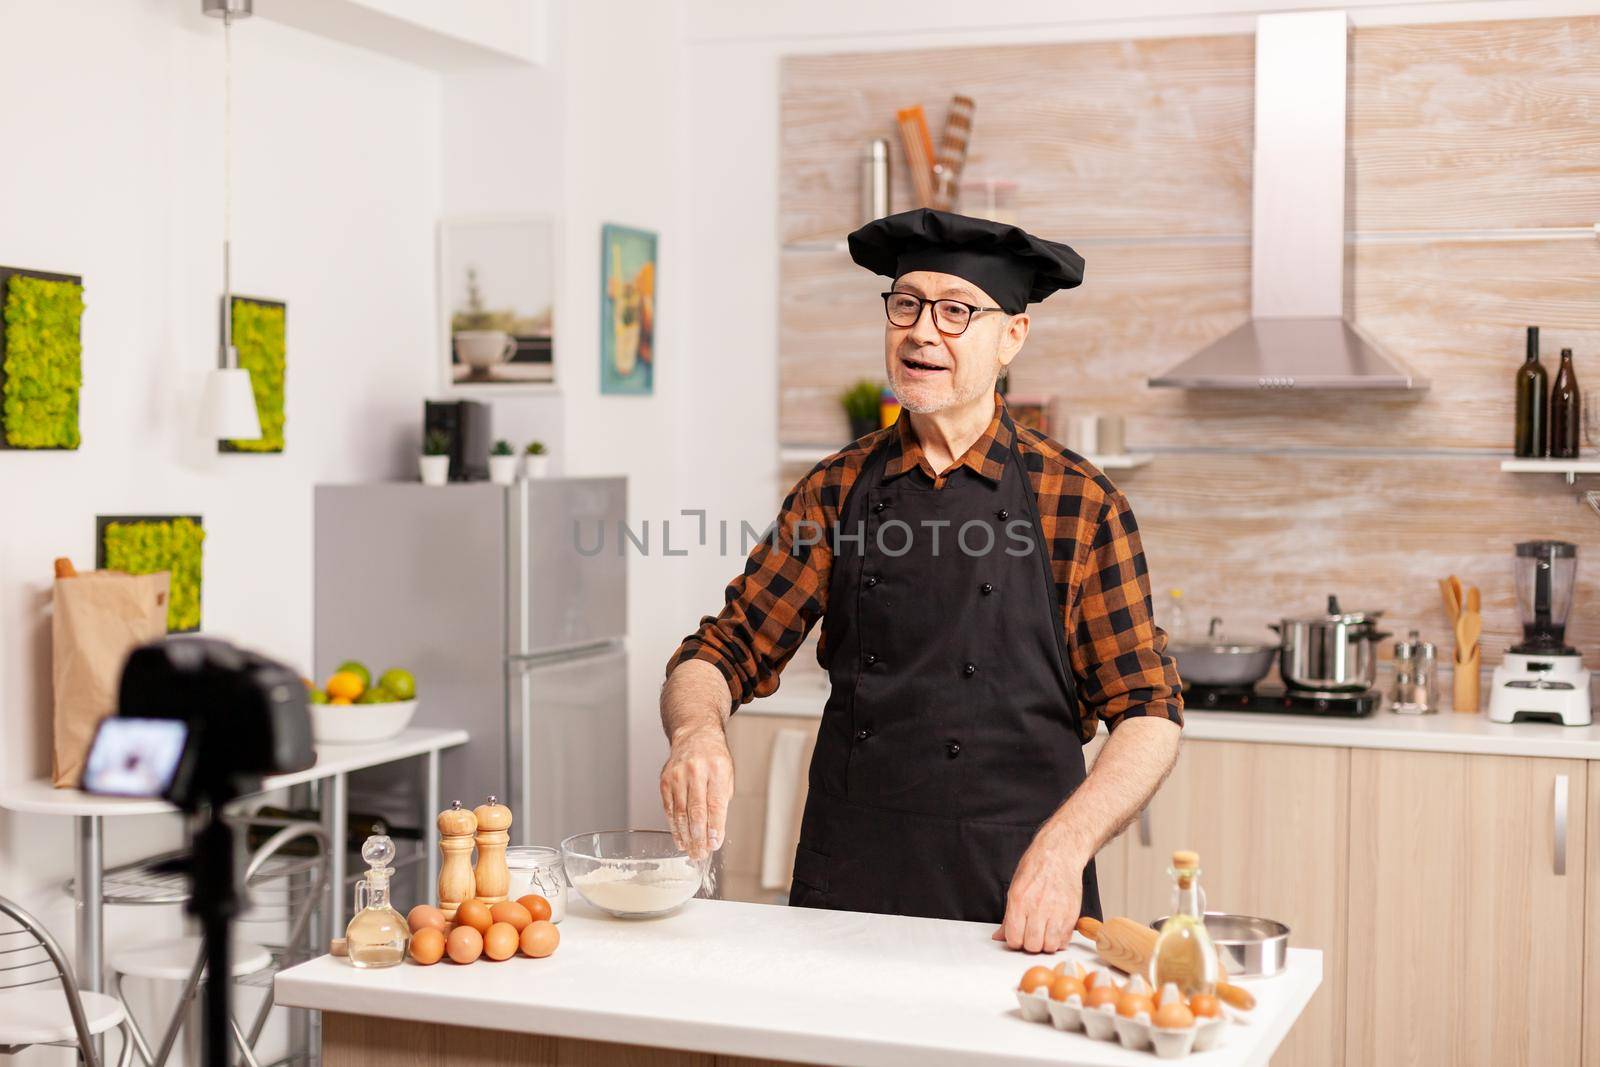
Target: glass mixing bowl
[[632, 874]]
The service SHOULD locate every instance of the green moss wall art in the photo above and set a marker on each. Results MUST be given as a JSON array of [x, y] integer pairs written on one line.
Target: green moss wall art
[[259, 335], [144, 544], [41, 359]]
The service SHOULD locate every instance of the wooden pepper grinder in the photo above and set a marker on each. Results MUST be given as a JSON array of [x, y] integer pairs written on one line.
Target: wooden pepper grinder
[[493, 878], [456, 884]]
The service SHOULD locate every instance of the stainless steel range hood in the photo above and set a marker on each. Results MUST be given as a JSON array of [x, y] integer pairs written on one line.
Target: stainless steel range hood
[[1297, 337]]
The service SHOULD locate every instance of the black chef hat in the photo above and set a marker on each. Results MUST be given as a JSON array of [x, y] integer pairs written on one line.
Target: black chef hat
[[1004, 261]]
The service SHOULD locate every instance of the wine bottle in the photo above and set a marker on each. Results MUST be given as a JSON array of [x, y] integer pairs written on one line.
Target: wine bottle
[[1531, 389], [1566, 410]]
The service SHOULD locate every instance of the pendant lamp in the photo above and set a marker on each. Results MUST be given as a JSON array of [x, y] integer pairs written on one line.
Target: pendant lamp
[[229, 406]]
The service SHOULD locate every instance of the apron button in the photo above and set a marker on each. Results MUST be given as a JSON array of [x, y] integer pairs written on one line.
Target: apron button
[[872, 580], [879, 506], [870, 658], [953, 749], [1002, 514], [970, 669], [985, 588], [862, 735]]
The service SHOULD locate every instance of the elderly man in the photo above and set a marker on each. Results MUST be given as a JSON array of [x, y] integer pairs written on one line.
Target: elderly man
[[984, 605]]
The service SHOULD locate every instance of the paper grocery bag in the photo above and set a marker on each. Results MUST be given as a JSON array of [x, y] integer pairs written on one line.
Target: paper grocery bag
[[100, 617]]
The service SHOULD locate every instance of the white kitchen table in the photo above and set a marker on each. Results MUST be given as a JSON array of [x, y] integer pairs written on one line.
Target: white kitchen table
[[726, 979], [334, 764]]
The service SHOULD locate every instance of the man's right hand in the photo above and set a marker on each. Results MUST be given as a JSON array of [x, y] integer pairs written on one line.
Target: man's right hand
[[696, 786]]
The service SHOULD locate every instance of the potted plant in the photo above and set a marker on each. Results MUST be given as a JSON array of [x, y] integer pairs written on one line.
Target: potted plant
[[535, 460], [435, 459], [861, 407], [502, 463], [482, 337]]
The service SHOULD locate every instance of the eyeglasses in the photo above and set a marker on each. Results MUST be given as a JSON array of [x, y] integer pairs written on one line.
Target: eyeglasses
[[950, 317]]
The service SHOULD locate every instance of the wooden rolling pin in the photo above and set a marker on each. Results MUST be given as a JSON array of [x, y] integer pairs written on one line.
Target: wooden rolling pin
[[1127, 945]]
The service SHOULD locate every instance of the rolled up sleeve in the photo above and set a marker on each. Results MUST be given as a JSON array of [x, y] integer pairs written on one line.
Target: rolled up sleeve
[[1118, 652]]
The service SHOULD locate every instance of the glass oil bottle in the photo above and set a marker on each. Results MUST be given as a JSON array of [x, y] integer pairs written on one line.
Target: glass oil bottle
[[1184, 954], [377, 935]]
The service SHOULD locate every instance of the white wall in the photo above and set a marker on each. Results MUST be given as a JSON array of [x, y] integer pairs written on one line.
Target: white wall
[[113, 158]]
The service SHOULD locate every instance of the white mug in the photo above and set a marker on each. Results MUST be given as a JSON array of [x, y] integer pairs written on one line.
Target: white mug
[[484, 348]]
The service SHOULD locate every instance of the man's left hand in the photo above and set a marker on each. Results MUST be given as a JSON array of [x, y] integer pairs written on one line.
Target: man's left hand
[[1046, 892]]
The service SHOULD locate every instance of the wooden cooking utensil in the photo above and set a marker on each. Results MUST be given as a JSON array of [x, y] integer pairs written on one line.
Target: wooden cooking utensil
[[1474, 603], [1128, 946], [1455, 593], [1452, 603], [1467, 632]]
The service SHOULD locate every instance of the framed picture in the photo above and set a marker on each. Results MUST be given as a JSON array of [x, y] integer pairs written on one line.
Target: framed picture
[[627, 310], [497, 296], [259, 336], [144, 544], [41, 359]]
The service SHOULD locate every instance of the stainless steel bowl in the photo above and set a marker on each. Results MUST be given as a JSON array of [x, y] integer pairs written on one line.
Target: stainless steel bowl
[[1249, 947]]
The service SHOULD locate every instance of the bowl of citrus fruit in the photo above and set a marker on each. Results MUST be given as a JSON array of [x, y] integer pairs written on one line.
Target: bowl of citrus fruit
[[352, 708]]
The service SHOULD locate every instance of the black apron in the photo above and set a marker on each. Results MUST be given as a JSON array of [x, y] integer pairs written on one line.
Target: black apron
[[951, 731]]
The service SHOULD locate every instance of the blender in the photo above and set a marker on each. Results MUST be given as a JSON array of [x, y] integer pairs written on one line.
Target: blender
[[1543, 677]]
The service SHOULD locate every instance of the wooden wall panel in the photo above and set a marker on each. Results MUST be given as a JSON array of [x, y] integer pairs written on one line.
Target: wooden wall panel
[[1481, 125], [1255, 537], [1103, 137]]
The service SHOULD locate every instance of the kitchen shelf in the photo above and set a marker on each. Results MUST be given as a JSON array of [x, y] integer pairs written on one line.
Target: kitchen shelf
[[793, 455], [1571, 468]]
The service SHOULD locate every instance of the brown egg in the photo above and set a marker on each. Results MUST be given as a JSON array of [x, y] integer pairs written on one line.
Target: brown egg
[[476, 914], [1173, 1016], [1204, 1006], [500, 943], [427, 946], [1035, 977], [1063, 986], [1130, 1004], [537, 906], [424, 915], [1103, 993], [540, 938], [465, 944], [509, 911]]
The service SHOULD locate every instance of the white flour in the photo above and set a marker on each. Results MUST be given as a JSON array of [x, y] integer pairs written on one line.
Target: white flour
[[667, 885]]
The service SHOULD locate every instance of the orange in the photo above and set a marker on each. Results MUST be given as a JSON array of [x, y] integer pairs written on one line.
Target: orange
[[345, 684]]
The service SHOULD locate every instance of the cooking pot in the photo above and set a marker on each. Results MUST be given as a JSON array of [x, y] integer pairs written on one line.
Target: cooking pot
[[1335, 652], [1217, 661]]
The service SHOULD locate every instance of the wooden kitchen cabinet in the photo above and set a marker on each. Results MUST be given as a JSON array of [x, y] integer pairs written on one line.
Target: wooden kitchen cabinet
[[1270, 824], [1471, 944], [1591, 970]]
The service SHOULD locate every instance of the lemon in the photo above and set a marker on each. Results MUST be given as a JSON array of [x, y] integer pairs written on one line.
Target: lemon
[[400, 683], [357, 668], [319, 696], [345, 684], [338, 700]]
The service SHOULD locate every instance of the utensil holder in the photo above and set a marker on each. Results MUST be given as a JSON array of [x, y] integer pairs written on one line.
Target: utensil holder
[[1466, 681]]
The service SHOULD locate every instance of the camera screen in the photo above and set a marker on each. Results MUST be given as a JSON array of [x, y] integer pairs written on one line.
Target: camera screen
[[134, 757]]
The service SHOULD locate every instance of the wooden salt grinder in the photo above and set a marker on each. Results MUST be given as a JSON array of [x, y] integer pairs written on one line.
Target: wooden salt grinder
[[494, 822], [456, 884]]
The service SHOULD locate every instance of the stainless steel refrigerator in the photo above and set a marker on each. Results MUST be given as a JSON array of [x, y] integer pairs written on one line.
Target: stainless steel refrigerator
[[496, 598]]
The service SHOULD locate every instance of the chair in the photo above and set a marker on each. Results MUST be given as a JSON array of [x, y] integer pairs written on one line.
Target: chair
[[269, 882], [33, 1014]]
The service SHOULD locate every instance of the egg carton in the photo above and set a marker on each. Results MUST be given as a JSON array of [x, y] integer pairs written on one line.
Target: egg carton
[[1102, 1023]]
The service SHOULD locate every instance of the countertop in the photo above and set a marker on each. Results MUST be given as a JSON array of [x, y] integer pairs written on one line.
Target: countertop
[[1445, 731], [762, 980]]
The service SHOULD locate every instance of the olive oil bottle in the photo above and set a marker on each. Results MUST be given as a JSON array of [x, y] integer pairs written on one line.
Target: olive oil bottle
[[1532, 392], [1184, 954]]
